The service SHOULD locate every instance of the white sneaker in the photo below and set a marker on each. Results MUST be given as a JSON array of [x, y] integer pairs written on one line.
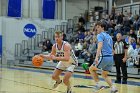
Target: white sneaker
[[98, 88], [114, 90], [56, 84]]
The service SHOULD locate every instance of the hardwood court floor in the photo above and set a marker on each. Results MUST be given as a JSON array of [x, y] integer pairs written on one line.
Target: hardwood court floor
[[31, 80]]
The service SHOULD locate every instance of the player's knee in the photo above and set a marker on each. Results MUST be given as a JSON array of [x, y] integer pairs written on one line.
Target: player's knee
[[104, 74], [65, 81], [92, 68]]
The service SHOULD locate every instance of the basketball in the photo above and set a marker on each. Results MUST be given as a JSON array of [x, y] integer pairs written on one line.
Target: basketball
[[37, 61]]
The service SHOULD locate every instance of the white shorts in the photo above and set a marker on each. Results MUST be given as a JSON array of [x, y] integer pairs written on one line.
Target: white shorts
[[65, 66]]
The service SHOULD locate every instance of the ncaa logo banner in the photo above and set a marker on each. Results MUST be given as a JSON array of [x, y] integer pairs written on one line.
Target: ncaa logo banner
[[30, 30]]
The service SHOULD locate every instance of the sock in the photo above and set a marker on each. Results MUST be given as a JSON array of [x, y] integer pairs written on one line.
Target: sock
[[113, 87], [98, 84]]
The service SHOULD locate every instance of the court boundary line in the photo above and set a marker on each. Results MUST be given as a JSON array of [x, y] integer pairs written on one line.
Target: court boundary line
[[32, 85]]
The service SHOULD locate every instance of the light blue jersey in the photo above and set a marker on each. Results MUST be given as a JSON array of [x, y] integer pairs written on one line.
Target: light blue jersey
[[107, 43], [105, 61]]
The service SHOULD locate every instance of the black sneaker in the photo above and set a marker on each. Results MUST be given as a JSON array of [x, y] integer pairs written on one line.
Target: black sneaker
[[56, 84], [124, 82], [118, 81]]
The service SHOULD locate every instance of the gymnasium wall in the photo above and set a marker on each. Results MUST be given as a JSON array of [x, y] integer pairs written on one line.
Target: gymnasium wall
[[12, 31], [75, 7], [33, 8], [134, 8]]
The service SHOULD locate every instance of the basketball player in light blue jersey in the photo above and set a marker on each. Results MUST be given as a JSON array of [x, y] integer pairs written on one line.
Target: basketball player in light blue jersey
[[104, 58], [64, 54]]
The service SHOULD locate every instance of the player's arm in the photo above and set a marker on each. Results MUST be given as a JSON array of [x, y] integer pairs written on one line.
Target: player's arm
[[125, 52], [100, 44], [66, 57], [49, 56]]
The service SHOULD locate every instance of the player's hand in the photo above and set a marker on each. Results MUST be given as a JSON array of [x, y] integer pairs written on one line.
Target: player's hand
[[41, 55], [48, 57], [53, 57]]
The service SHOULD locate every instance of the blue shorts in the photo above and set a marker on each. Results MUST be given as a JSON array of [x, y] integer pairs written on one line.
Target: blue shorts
[[105, 63]]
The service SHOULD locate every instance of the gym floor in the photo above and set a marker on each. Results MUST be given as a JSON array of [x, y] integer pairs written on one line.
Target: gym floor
[[34, 80]]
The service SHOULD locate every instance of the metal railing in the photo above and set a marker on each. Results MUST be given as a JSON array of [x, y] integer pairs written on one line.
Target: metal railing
[[134, 9], [31, 43], [38, 38], [64, 27], [18, 49]]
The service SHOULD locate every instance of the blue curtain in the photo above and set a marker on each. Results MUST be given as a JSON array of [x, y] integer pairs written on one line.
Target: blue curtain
[[0, 45], [14, 8], [48, 9]]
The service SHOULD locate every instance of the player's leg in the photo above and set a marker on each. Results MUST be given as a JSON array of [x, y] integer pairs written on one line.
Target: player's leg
[[67, 76], [66, 81], [56, 74], [107, 65], [109, 81], [56, 77], [93, 73], [93, 68], [106, 78]]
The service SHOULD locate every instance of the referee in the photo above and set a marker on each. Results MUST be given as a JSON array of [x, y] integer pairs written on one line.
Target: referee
[[120, 57]]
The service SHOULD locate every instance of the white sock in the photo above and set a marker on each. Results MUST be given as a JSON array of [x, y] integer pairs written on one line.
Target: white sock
[[98, 84], [113, 87]]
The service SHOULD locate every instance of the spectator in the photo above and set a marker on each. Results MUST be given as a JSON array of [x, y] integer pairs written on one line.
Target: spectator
[[81, 20], [92, 47], [81, 27], [138, 36], [64, 36], [136, 22], [88, 37], [133, 43], [80, 36], [47, 46], [126, 24], [131, 18], [78, 48], [132, 34], [137, 59], [120, 18], [85, 45]]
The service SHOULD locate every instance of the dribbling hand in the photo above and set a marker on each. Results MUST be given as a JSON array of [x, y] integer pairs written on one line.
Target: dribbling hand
[[48, 57], [53, 57]]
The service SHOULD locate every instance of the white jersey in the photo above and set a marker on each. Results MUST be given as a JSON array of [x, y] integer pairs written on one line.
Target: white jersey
[[60, 53]]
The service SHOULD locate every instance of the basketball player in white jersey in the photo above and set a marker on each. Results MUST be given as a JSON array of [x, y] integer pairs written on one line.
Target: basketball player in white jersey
[[62, 52]]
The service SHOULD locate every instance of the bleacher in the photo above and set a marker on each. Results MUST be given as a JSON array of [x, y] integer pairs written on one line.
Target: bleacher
[[25, 50]]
